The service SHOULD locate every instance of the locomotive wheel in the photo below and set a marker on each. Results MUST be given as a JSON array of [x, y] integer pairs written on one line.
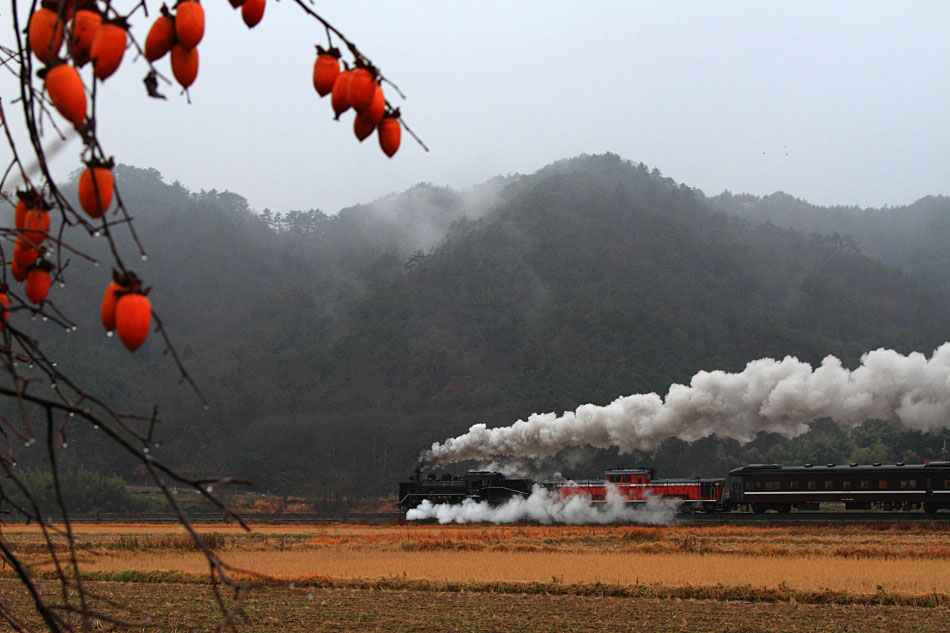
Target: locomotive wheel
[[784, 508], [758, 509], [930, 508]]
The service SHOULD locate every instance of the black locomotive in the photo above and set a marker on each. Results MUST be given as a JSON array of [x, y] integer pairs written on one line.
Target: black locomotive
[[477, 485]]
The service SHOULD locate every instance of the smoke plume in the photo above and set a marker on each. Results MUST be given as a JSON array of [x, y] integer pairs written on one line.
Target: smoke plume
[[547, 507], [782, 397]]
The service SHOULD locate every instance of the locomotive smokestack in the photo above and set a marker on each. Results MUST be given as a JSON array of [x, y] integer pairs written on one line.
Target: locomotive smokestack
[[782, 397]]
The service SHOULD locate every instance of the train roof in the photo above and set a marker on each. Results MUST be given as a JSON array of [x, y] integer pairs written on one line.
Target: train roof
[[839, 468]]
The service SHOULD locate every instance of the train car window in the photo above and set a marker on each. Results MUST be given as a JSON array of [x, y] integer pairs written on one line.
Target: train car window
[[847, 484], [865, 485], [753, 485], [613, 478], [812, 485], [882, 485], [946, 484], [829, 485], [771, 485], [908, 484], [793, 485]]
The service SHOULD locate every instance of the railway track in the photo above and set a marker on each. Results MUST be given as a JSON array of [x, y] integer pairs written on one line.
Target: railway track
[[395, 518]]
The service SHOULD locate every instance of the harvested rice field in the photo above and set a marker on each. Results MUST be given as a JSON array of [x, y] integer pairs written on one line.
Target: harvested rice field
[[356, 578]]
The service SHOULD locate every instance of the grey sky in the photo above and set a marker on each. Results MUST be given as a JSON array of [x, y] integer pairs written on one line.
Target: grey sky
[[842, 102]]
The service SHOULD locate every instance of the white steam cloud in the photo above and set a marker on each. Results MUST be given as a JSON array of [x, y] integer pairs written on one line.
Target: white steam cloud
[[547, 507], [782, 397]]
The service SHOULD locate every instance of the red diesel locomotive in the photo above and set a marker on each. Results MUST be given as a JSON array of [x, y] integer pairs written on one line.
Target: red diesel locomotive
[[636, 485]]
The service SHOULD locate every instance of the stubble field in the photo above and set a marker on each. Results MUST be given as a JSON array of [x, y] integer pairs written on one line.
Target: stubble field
[[428, 577]]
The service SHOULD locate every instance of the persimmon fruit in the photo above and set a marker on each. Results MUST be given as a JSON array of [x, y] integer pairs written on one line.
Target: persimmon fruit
[[108, 47], [19, 215], [252, 12], [360, 89], [389, 132], [38, 281], [18, 272], [363, 127], [377, 108], [160, 38], [24, 253], [340, 99], [95, 190], [67, 92], [184, 64], [325, 71], [107, 309], [45, 34], [36, 226], [82, 33], [4, 306], [133, 318], [189, 23]]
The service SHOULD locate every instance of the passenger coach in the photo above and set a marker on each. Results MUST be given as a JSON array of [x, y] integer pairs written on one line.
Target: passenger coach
[[899, 486]]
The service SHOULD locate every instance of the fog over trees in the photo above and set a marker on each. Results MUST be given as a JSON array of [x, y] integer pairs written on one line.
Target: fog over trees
[[334, 348]]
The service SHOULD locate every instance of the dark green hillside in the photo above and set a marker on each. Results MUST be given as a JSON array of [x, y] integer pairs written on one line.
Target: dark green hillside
[[334, 348]]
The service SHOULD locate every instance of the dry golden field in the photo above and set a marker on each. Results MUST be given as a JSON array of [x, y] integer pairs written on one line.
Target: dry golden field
[[907, 565], [906, 559]]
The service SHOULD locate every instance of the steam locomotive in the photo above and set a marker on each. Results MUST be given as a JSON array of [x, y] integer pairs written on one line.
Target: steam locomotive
[[756, 488]]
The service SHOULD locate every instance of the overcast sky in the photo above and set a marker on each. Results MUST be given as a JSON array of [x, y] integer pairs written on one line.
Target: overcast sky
[[843, 102]]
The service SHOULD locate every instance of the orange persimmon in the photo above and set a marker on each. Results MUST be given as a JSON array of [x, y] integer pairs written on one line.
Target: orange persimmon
[[45, 34], [107, 309], [24, 253], [389, 132], [189, 23], [18, 272], [325, 71], [252, 12], [184, 64], [160, 38], [360, 89], [37, 284], [81, 33], [340, 99], [19, 217], [36, 225], [108, 47], [133, 318], [363, 127], [376, 109], [4, 306], [95, 189], [26, 200], [67, 92]]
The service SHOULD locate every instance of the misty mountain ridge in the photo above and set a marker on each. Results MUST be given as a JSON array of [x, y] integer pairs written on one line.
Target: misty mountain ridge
[[912, 237], [335, 347]]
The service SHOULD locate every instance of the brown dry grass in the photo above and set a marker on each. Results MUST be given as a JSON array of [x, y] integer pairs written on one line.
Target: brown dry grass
[[889, 541], [808, 573], [904, 559]]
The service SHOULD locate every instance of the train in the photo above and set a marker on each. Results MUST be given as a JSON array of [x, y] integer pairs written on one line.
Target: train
[[755, 488]]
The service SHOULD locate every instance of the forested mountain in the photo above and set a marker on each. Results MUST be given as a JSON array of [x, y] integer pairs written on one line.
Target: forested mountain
[[334, 348], [914, 237]]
